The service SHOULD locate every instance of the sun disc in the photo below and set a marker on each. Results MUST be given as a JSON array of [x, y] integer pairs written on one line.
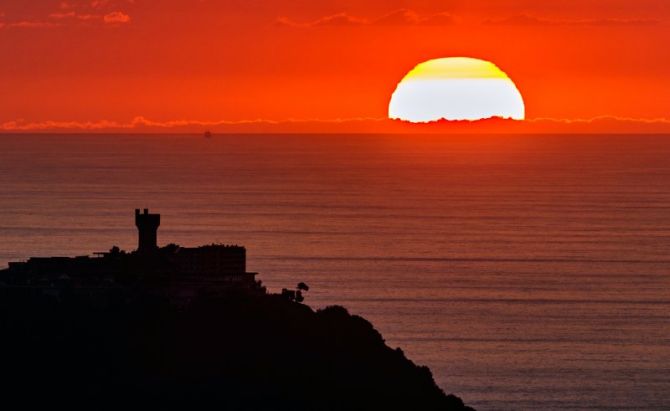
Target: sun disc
[[456, 88]]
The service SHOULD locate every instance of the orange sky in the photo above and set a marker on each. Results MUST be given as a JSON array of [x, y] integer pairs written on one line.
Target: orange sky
[[209, 60]]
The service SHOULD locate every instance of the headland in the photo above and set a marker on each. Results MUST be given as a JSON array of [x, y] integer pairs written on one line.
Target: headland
[[177, 327]]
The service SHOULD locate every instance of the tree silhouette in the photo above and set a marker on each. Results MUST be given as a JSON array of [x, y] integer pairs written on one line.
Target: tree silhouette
[[297, 294]]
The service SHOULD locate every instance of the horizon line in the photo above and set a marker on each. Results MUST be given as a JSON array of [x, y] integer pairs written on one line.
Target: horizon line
[[144, 125]]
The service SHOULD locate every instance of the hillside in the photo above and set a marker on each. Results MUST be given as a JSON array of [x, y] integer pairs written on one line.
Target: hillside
[[227, 352]]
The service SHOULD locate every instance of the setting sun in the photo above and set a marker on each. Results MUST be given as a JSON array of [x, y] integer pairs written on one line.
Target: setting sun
[[457, 88]]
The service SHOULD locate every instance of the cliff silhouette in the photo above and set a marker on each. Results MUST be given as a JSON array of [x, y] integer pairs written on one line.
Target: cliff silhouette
[[168, 327], [233, 352]]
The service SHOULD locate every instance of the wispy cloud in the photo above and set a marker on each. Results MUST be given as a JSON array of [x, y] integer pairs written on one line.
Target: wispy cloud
[[142, 124], [99, 3], [66, 5], [339, 19], [657, 120], [405, 16], [72, 15], [531, 20], [25, 23], [69, 13], [29, 24], [396, 17], [116, 17], [136, 123]]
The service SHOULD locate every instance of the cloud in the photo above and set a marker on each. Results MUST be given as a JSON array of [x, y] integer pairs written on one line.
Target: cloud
[[30, 24], [530, 20], [137, 122], [339, 19], [99, 3], [69, 13], [116, 17], [395, 18], [602, 124], [405, 16], [73, 15], [25, 24], [142, 123], [92, 4], [658, 120]]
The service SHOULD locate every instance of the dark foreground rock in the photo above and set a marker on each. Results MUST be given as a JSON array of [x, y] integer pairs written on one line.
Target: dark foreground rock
[[227, 353]]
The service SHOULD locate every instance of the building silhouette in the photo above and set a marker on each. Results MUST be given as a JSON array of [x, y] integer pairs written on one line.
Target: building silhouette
[[147, 228], [179, 273]]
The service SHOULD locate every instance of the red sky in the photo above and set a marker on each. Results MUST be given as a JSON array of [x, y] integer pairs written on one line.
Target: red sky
[[114, 60]]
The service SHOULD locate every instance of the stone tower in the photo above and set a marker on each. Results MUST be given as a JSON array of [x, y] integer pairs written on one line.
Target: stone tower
[[147, 227]]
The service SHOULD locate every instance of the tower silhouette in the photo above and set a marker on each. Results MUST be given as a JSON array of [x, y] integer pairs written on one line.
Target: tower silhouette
[[147, 227]]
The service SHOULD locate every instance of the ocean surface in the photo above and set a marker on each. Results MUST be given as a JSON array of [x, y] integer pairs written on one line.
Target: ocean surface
[[528, 272]]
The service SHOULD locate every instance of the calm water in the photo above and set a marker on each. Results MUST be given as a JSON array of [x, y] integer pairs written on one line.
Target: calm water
[[528, 272]]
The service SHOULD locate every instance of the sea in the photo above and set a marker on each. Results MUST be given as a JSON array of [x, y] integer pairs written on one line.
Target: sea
[[529, 272]]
